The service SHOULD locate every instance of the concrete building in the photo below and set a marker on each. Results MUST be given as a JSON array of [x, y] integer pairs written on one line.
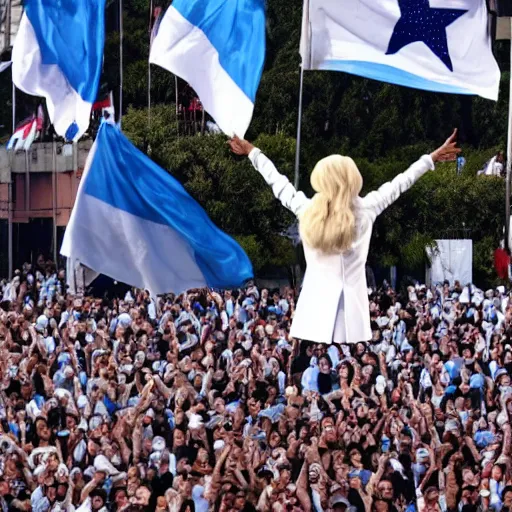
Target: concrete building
[[37, 193], [10, 17]]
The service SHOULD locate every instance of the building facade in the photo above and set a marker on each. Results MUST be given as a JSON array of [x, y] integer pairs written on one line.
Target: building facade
[[10, 17], [37, 193]]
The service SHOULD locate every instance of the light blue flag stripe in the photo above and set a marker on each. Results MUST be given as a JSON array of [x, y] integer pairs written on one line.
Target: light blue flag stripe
[[123, 177], [390, 74], [232, 26], [71, 34]]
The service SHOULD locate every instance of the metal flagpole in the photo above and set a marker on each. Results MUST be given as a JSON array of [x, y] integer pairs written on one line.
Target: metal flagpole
[[305, 52], [120, 61], [149, 63], [177, 99], [27, 182], [13, 108], [54, 199], [299, 128], [9, 222], [9, 193], [509, 154]]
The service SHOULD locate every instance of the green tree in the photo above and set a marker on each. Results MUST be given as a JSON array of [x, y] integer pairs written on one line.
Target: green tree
[[232, 192], [442, 204], [384, 127]]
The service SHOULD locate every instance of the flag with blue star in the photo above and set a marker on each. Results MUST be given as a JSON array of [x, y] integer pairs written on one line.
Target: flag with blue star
[[425, 44]]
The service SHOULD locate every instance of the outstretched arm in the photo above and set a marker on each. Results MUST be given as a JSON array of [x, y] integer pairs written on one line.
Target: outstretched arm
[[281, 186], [386, 195]]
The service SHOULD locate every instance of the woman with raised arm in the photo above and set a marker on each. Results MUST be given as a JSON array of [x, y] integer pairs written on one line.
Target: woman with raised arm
[[336, 228]]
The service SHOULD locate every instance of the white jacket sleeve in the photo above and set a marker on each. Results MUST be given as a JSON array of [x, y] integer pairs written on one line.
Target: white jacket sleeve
[[281, 186], [388, 193]]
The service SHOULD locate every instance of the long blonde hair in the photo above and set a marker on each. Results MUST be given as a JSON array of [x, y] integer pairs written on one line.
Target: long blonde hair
[[329, 223]]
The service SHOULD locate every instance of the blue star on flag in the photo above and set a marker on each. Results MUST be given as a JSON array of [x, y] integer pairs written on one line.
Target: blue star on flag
[[420, 22]]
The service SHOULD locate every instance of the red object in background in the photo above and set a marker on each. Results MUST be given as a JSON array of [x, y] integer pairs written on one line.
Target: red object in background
[[155, 24], [501, 263], [196, 105], [104, 103]]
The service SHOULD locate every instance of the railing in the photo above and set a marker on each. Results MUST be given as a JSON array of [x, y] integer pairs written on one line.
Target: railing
[[455, 234]]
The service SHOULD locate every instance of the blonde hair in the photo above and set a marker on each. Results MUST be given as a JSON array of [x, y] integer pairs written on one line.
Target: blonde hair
[[329, 223]]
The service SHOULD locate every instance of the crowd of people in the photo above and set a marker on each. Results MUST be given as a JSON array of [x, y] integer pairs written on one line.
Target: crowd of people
[[203, 402]]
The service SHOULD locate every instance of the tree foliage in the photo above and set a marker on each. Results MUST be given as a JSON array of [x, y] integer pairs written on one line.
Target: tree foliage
[[441, 205], [384, 127], [228, 188]]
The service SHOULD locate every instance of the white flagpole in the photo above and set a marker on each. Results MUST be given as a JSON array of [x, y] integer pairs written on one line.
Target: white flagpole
[[306, 63], [299, 129], [120, 61], [13, 108], [9, 221], [509, 153], [149, 63], [9, 193], [177, 112], [54, 200]]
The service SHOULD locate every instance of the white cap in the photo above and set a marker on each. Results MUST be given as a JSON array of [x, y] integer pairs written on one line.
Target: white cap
[[82, 401], [39, 470], [158, 444], [101, 463], [422, 455], [380, 385], [62, 470], [219, 445], [195, 421]]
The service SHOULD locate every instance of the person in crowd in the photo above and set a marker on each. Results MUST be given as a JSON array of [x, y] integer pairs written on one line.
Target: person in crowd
[[204, 402], [495, 166], [336, 227]]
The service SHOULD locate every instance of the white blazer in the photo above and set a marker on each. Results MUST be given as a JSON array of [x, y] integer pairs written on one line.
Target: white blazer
[[333, 305]]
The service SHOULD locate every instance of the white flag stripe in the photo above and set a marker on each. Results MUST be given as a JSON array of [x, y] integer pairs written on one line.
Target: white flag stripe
[[33, 77], [356, 37], [178, 47]]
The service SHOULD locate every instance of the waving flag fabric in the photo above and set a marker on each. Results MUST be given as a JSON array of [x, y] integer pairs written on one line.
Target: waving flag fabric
[[157, 18], [153, 234], [26, 132], [218, 47], [106, 105], [23, 137], [58, 54], [426, 44]]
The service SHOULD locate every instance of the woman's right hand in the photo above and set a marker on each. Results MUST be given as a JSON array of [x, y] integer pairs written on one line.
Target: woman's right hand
[[240, 146], [448, 151]]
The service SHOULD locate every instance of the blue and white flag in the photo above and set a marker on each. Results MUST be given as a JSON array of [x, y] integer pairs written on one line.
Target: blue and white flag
[[133, 222], [58, 54], [433, 45], [218, 47]]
